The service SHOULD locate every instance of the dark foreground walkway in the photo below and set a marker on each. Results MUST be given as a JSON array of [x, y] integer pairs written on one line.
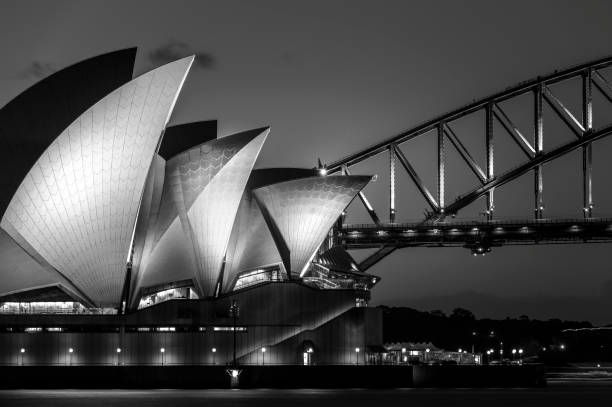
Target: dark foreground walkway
[[557, 394]]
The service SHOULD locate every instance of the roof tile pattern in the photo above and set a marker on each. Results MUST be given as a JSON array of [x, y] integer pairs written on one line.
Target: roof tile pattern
[[304, 210], [78, 204]]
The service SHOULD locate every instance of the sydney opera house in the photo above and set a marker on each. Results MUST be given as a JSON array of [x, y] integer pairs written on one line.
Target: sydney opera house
[[125, 240]]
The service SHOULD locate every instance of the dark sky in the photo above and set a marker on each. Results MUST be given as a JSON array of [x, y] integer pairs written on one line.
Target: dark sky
[[332, 77]]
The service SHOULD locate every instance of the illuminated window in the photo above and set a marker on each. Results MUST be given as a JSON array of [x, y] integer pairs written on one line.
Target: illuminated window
[[33, 329], [165, 329], [55, 329], [229, 328], [258, 276]]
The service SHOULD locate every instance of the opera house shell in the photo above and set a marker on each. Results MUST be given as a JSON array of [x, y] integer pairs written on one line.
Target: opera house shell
[[105, 206]]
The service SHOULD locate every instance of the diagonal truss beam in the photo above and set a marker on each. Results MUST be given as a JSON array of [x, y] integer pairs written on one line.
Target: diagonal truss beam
[[376, 257], [364, 201], [416, 179], [514, 173], [513, 130], [602, 85], [464, 153], [563, 112]]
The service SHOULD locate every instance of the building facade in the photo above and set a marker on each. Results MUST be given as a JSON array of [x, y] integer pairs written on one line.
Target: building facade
[[128, 241]]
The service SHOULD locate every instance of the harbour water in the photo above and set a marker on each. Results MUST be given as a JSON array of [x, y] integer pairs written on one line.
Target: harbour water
[[557, 393]]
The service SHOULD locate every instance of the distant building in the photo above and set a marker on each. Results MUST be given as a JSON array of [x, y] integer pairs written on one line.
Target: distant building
[[128, 241], [427, 353]]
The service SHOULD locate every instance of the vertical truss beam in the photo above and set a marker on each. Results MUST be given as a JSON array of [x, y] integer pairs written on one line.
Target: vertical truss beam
[[490, 162], [391, 185], [416, 179], [539, 147], [364, 201], [587, 150], [441, 161]]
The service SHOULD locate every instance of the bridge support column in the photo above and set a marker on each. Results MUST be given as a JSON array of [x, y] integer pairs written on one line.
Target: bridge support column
[[587, 150], [490, 161], [441, 161], [539, 147], [391, 185]]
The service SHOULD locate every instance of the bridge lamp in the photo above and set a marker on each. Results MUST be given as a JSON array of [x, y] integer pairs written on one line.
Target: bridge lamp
[[323, 171]]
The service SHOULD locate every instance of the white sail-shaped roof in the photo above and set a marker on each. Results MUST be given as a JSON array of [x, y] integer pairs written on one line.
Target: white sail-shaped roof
[[301, 212], [78, 204], [201, 194]]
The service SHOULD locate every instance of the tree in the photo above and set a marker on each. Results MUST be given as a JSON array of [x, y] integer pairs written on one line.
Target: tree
[[462, 313]]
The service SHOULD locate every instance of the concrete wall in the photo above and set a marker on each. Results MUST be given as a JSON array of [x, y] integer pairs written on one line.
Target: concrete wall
[[277, 316]]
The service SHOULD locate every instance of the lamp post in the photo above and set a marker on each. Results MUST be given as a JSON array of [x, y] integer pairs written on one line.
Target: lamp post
[[70, 350], [214, 352], [21, 352], [520, 351], [513, 354], [403, 355], [263, 355], [118, 353], [427, 354], [357, 350], [162, 351]]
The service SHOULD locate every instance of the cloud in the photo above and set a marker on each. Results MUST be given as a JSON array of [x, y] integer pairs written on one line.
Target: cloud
[[173, 50], [37, 70]]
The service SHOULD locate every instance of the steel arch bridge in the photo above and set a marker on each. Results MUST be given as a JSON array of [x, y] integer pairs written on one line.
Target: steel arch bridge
[[439, 228]]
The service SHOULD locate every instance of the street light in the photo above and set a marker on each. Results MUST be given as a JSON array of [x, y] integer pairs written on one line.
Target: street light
[[520, 351], [357, 354], [70, 350], [263, 355], [118, 352], [162, 350], [214, 351], [513, 353], [21, 352]]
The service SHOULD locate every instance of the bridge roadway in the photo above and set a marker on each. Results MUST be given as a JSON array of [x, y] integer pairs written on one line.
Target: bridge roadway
[[479, 236]]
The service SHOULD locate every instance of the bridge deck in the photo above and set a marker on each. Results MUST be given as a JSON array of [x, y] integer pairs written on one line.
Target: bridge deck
[[475, 234]]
